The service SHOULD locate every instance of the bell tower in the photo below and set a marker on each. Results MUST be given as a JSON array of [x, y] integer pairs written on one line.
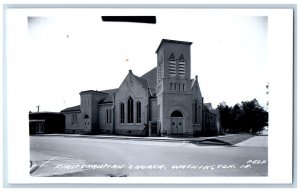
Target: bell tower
[[174, 84], [173, 61]]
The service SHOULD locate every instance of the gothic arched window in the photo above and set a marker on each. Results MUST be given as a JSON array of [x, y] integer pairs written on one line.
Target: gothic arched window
[[130, 110], [138, 112], [160, 68], [172, 65], [108, 116], [181, 66], [195, 112], [122, 119]]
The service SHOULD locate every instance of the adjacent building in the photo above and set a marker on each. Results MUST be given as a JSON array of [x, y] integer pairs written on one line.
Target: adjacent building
[[163, 101], [46, 123]]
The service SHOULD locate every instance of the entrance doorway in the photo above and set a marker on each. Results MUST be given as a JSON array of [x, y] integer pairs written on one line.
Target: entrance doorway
[[176, 122]]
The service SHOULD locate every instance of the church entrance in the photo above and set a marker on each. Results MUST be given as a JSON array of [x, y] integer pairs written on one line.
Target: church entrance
[[176, 122]]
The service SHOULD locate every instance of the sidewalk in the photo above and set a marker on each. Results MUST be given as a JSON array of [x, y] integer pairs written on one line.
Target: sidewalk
[[228, 139]]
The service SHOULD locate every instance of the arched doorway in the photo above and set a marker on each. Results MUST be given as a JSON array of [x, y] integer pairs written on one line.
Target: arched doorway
[[176, 122]]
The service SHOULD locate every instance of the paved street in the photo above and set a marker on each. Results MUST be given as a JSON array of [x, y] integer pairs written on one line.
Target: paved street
[[69, 156]]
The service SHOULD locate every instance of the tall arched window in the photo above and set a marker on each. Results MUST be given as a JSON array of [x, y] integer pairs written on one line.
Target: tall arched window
[[130, 110], [108, 116], [181, 66], [195, 112], [160, 68], [138, 112], [159, 71], [172, 65], [122, 116]]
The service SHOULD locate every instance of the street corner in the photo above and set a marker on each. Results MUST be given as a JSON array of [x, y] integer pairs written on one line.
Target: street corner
[[46, 165]]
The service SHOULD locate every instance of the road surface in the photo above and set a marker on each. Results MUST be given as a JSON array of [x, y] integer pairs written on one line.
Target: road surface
[[66, 156]]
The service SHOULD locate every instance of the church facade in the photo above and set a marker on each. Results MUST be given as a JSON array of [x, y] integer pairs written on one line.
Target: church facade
[[163, 101]]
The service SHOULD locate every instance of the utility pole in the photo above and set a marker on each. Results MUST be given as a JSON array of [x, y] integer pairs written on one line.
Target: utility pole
[[38, 108]]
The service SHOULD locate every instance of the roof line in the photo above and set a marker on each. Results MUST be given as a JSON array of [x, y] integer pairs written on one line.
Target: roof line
[[172, 41]]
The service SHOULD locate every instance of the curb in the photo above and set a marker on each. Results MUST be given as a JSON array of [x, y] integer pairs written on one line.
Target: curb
[[118, 138], [204, 141], [127, 138]]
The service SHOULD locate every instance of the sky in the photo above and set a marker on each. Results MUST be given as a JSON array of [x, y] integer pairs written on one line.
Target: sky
[[70, 53]]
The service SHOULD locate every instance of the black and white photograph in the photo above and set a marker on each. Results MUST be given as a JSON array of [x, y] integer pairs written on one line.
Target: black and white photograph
[[148, 103], [146, 93]]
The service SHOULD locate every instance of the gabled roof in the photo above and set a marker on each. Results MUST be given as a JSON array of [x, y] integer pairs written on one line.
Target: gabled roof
[[193, 82], [93, 91], [72, 109], [110, 91], [109, 98], [151, 77], [143, 81]]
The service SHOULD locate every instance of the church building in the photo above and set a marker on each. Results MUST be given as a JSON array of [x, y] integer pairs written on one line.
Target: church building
[[163, 101]]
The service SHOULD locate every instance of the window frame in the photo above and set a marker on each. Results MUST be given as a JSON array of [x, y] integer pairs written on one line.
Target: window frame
[[122, 113], [138, 112], [130, 110], [181, 66], [172, 65]]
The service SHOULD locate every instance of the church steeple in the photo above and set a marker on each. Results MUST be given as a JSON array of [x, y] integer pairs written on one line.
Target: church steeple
[[173, 59], [173, 90]]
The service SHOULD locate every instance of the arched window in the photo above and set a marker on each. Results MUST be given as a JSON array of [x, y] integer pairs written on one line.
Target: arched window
[[181, 66], [138, 112], [195, 112], [172, 65], [160, 68], [122, 116], [176, 114], [108, 116], [159, 72], [130, 110]]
